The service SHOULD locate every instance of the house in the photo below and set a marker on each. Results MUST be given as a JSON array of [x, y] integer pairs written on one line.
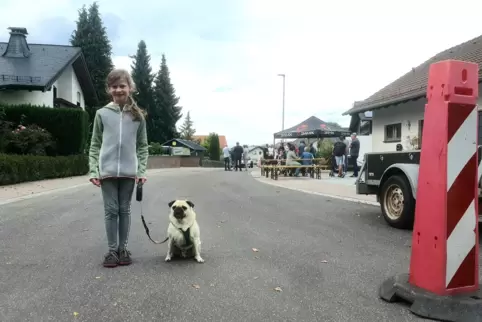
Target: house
[[398, 108], [255, 153], [185, 148], [40, 74], [201, 138]]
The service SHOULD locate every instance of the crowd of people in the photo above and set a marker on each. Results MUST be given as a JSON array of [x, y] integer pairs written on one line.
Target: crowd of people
[[344, 151], [233, 157]]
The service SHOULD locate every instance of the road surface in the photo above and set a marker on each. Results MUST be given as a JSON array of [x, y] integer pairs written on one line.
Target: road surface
[[327, 257]]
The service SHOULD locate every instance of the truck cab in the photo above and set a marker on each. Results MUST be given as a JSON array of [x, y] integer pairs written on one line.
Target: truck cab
[[393, 177]]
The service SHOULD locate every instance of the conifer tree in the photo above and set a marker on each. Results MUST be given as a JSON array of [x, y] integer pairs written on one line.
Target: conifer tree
[[167, 101], [91, 36], [187, 130]]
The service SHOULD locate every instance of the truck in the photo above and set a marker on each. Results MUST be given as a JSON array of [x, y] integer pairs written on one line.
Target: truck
[[393, 177]]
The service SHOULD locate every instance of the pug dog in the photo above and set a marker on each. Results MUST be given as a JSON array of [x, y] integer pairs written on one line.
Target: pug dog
[[183, 232]]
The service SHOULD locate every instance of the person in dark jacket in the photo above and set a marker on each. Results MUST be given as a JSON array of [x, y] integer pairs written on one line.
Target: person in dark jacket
[[237, 155], [354, 151]]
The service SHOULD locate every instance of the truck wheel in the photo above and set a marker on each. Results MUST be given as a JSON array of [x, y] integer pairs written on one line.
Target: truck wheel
[[397, 202]]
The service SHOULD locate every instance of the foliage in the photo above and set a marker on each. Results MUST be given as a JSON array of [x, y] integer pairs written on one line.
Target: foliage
[[155, 148], [187, 129], [22, 168], [143, 78], [32, 140], [68, 127], [166, 100], [325, 150], [91, 36], [214, 149]]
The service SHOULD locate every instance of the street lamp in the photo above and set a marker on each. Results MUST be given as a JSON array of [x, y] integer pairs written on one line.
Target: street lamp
[[283, 115]]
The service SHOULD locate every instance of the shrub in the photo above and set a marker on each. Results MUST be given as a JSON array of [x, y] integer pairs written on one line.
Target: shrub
[[22, 168], [155, 148], [69, 127], [214, 150], [32, 140], [325, 150]]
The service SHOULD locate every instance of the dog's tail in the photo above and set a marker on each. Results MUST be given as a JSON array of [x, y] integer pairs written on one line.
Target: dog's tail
[[148, 235]]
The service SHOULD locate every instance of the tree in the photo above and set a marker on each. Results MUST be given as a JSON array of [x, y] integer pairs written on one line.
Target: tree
[[91, 36], [166, 100], [187, 130], [214, 148], [143, 77]]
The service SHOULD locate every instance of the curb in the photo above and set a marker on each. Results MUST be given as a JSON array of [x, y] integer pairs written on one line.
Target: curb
[[361, 201], [51, 191]]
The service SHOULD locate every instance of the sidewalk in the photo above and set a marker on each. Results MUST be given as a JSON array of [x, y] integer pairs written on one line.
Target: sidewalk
[[339, 188], [27, 190]]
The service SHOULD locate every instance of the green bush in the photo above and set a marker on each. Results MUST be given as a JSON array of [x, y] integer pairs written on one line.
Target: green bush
[[69, 127], [325, 150], [32, 140], [23, 168], [214, 150], [155, 148]]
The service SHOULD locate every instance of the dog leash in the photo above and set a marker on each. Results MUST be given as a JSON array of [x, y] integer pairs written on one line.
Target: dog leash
[[139, 199]]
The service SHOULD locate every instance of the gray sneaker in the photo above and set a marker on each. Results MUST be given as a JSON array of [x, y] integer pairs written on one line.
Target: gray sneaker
[[124, 257], [111, 259]]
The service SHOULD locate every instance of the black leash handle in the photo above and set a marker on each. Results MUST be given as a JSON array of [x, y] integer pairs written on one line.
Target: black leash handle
[[139, 198]]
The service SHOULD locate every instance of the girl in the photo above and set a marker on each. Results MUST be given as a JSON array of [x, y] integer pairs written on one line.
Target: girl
[[117, 160]]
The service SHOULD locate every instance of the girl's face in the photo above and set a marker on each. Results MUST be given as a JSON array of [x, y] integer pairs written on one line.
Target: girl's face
[[120, 91]]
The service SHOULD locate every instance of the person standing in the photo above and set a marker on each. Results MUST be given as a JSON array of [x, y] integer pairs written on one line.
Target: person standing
[[237, 154], [354, 151], [119, 126], [339, 149], [227, 166], [245, 156], [347, 151]]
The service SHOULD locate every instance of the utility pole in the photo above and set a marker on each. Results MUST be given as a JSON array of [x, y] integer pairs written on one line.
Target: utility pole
[[283, 113]]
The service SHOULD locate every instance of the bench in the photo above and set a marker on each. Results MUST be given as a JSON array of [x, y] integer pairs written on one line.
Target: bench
[[274, 171]]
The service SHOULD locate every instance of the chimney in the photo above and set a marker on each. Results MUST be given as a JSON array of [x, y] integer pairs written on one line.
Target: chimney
[[17, 44]]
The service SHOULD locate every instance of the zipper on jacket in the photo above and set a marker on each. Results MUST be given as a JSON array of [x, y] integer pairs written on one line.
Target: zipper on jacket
[[120, 142]]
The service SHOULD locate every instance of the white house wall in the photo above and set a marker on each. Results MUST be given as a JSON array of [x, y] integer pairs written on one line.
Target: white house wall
[[67, 88], [16, 97], [408, 114]]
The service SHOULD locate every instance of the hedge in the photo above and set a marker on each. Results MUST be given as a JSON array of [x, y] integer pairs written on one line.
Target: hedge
[[69, 127], [22, 168]]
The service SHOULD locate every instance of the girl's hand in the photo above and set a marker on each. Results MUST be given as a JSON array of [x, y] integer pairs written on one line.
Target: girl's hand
[[95, 182], [143, 180]]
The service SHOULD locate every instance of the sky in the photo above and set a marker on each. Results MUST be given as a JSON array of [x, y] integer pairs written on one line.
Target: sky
[[224, 56]]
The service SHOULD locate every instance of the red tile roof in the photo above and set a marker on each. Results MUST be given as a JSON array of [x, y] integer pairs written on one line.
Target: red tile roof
[[201, 138]]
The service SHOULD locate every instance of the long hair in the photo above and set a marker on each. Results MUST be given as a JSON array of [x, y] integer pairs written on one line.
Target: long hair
[[118, 75]]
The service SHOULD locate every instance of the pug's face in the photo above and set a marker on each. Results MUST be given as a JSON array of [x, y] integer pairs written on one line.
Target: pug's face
[[180, 208]]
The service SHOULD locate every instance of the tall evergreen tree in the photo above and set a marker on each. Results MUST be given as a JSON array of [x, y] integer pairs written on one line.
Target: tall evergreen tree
[[91, 36], [187, 130], [166, 100], [214, 149], [143, 77]]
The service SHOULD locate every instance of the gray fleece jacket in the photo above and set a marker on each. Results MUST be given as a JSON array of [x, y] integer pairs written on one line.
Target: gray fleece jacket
[[119, 144]]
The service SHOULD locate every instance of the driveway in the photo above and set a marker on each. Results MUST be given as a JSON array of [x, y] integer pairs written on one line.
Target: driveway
[[315, 258]]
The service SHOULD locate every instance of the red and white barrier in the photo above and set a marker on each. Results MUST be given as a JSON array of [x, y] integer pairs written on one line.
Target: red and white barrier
[[445, 243]]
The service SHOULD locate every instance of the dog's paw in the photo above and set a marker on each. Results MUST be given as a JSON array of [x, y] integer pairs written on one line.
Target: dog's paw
[[199, 259], [168, 258]]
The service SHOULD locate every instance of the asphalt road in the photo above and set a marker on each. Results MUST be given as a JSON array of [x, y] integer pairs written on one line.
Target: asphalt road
[[327, 256]]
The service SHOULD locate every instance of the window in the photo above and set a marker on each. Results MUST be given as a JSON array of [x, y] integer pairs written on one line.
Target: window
[[393, 132], [420, 132], [78, 98], [365, 128], [54, 89]]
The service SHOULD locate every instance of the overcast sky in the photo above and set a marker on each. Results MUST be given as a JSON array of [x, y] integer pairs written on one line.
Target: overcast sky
[[224, 55]]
